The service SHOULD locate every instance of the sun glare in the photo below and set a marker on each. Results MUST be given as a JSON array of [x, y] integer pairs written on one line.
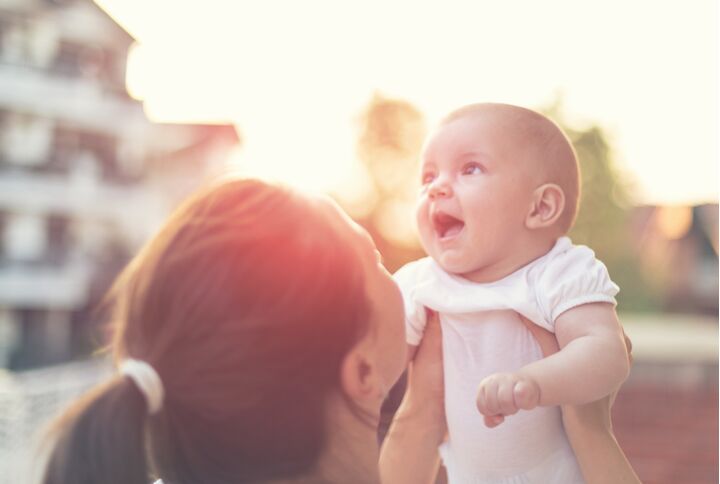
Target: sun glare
[[294, 83], [312, 155], [137, 64]]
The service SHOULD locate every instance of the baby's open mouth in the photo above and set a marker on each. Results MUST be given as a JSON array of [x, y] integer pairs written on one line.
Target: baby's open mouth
[[446, 225]]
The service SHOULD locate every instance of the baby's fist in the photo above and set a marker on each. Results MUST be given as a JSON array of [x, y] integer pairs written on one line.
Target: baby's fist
[[503, 394]]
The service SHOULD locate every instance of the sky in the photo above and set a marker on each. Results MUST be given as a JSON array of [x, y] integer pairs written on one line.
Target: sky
[[295, 75]]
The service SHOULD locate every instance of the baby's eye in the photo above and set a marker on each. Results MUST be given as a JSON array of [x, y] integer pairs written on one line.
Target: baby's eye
[[472, 169], [428, 177]]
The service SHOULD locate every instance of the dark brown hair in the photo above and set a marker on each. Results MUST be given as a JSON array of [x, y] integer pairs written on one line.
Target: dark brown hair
[[245, 303]]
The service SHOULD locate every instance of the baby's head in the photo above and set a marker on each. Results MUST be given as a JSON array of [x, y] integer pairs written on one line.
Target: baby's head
[[500, 184]]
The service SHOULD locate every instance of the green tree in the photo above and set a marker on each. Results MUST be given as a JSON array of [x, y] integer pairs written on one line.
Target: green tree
[[604, 218]]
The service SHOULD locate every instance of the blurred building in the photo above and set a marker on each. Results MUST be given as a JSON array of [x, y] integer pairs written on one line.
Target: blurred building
[[677, 252], [84, 176]]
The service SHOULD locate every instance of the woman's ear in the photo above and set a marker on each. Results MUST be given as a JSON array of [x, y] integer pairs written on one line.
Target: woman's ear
[[547, 206], [358, 375]]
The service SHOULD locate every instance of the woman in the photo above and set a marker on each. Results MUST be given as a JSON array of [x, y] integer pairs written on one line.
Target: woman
[[258, 334]]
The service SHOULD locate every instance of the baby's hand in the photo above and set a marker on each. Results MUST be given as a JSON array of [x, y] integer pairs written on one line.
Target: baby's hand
[[503, 394]]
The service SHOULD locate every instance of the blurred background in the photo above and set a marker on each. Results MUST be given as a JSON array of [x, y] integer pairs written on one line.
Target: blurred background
[[112, 111]]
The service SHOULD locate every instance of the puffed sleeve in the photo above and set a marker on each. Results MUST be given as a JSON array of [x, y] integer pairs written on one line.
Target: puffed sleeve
[[415, 318], [571, 278]]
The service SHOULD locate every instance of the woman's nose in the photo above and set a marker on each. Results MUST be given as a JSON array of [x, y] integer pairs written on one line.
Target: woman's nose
[[439, 188]]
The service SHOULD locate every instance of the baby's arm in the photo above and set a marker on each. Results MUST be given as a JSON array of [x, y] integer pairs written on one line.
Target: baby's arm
[[589, 428], [415, 313], [592, 363], [416, 326]]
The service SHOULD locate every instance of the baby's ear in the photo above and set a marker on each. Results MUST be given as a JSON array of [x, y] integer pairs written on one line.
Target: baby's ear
[[547, 206]]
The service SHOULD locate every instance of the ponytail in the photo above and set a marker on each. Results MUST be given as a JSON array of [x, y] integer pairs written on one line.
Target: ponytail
[[100, 439]]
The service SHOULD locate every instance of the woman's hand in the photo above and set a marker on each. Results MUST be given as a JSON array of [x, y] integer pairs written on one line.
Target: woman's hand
[[589, 427], [425, 374], [410, 451]]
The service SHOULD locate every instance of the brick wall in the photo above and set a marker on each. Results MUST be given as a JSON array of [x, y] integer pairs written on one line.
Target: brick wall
[[668, 427]]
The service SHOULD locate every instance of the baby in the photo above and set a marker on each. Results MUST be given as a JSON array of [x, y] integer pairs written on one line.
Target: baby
[[500, 188]]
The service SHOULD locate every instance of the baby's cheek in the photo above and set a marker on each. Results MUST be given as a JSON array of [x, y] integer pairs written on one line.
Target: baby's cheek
[[426, 236], [422, 217]]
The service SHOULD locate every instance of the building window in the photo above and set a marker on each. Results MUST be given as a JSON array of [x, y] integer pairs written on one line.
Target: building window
[[58, 238], [3, 219], [13, 43], [73, 146], [25, 140], [25, 237]]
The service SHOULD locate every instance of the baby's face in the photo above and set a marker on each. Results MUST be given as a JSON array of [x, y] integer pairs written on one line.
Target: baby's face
[[475, 195]]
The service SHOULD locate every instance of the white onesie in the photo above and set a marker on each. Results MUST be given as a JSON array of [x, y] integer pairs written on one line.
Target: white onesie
[[482, 335]]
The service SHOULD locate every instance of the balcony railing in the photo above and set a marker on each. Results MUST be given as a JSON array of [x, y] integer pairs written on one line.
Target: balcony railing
[[78, 100]]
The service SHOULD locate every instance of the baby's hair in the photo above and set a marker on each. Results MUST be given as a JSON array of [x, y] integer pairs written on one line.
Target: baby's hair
[[546, 143]]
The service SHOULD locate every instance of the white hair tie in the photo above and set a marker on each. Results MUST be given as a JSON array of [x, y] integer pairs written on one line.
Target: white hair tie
[[148, 382]]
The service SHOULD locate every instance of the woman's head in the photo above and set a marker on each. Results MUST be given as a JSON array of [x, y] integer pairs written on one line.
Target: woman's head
[[255, 305]]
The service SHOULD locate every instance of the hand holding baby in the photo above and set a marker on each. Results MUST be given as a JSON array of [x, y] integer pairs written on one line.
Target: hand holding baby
[[504, 394]]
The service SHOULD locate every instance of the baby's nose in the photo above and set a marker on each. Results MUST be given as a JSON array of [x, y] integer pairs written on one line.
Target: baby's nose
[[439, 188]]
